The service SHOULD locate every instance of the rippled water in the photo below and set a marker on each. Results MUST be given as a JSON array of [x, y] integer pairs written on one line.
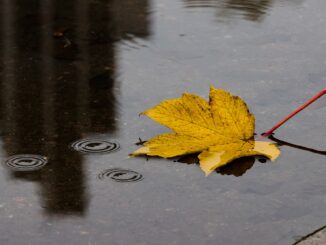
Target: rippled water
[[78, 73], [95, 145], [25, 162], [120, 175]]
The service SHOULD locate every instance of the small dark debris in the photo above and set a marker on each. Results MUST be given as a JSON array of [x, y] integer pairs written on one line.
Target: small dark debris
[[140, 141]]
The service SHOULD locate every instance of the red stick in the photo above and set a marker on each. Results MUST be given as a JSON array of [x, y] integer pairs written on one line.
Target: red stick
[[317, 96]]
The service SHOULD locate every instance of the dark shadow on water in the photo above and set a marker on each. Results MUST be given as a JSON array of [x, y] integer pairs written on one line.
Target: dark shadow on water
[[240, 166], [282, 142], [58, 74], [236, 168]]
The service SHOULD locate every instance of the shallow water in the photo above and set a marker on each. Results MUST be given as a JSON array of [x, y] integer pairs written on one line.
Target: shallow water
[[83, 70]]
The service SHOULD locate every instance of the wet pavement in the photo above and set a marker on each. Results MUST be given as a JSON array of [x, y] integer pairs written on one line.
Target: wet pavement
[[317, 237], [74, 76]]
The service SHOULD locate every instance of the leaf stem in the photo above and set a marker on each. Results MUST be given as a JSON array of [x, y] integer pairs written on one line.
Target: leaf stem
[[292, 114]]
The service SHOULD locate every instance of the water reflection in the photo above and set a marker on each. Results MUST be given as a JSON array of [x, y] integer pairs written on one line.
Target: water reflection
[[252, 10], [236, 168], [58, 81], [304, 148]]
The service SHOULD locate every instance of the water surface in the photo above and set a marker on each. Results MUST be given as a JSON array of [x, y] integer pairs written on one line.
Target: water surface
[[83, 70]]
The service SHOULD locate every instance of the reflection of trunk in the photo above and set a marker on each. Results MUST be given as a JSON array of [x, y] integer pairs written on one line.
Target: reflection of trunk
[[130, 17], [7, 63], [58, 88], [63, 182], [101, 37], [22, 87], [27, 97], [37, 97]]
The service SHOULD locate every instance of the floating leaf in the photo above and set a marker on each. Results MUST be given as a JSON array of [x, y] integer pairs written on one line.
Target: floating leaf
[[221, 130]]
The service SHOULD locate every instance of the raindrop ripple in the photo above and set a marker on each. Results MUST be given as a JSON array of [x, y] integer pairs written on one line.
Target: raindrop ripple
[[95, 146], [120, 175], [26, 162]]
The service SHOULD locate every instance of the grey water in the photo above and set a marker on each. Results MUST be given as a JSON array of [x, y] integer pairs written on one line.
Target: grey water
[[74, 76]]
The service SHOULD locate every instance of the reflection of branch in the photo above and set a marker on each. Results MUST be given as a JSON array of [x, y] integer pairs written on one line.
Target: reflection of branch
[[281, 142]]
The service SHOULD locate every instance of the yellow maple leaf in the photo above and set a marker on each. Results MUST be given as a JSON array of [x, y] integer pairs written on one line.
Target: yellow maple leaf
[[221, 130]]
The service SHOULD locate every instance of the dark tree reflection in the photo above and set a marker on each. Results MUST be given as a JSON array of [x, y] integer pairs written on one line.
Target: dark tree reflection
[[58, 77], [252, 10]]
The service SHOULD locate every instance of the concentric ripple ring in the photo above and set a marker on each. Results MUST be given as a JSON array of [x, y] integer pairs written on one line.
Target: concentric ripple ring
[[26, 162], [120, 175], [95, 145]]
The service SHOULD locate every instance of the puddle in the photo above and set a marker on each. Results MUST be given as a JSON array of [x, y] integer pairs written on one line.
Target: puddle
[[85, 69]]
